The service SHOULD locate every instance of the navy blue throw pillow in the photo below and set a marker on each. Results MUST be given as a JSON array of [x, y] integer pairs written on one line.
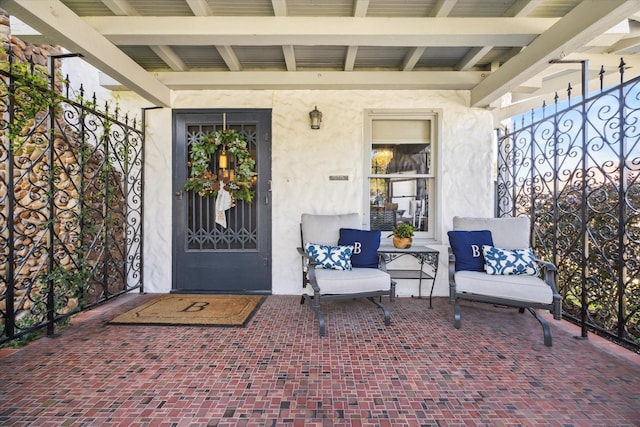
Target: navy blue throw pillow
[[365, 246], [467, 247]]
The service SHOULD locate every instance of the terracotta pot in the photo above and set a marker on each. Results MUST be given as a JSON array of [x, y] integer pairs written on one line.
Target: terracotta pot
[[402, 242]]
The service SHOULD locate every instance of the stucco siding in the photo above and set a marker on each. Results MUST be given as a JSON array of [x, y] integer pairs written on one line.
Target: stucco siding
[[303, 159]]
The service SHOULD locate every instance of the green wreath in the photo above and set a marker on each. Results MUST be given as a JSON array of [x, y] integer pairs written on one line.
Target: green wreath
[[207, 184]]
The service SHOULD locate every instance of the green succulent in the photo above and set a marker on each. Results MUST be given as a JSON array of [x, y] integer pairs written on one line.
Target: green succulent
[[403, 230]]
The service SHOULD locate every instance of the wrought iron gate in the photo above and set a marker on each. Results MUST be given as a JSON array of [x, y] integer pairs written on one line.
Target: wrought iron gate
[[70, 201], [576, 173]]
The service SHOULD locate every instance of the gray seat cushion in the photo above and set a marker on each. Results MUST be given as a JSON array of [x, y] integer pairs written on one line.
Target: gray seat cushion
[[513, 287], [353, 281]]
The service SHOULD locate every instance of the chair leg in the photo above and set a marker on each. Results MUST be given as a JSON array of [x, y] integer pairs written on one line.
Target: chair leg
[[387, 316], [392, 297], [545, 327], [314, 302], [456, 314]]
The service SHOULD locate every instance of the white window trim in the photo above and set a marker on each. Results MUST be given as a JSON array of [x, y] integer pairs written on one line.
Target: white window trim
[[435, 173]]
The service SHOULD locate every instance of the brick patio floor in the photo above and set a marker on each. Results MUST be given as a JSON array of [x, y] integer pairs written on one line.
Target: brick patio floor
[[277, 371]]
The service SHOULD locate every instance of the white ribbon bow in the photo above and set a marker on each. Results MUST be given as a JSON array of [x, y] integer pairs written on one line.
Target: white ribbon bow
[[223, 203]]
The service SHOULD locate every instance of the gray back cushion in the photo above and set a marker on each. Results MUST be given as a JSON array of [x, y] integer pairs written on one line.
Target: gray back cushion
[[325, 229], [507, 233]]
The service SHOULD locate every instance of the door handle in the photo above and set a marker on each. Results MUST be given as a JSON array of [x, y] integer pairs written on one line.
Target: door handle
[[179, 195]]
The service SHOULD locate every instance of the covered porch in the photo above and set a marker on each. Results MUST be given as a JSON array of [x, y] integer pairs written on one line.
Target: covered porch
[[277, 371], [495, 370]]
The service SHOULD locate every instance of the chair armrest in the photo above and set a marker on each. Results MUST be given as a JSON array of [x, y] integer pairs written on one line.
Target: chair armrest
[[549, 269], [382, 261], [547, 265], [306, 258], [308, 270]]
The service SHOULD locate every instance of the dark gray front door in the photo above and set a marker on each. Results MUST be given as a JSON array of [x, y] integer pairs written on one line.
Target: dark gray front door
[[208, 258]]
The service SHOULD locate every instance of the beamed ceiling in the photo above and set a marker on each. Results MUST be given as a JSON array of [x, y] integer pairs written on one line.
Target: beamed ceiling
[[488, 47]]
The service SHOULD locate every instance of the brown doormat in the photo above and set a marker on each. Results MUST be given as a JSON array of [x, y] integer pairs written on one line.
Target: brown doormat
[[194, 310]]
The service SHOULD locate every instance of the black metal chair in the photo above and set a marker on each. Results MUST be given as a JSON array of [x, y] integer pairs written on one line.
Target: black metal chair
[[321, 284], [522, 291]]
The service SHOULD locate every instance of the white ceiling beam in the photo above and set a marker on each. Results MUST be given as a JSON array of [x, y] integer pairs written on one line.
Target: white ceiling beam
[[612, 35], [587, 20], [433, 80], [626, 46], [199, 7], [52, 18], [412, 58], [443, 8], [121, 7], [530, 86], [25, 32], [229, 57], [169, 57], [522, 7], [314, 31], [279, 7], [350, 58], [360, 8], [289, 57], [474, 55]]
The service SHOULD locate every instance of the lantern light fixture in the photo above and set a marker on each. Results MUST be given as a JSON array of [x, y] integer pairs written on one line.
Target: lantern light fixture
[[316, 118]]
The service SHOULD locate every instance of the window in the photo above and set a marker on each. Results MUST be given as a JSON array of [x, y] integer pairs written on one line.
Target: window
[[401, 164]]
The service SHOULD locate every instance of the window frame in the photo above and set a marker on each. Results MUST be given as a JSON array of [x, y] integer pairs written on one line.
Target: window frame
[[433, 178]]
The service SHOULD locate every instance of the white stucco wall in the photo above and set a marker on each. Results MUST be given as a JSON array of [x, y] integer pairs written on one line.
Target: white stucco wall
[[303, 159]]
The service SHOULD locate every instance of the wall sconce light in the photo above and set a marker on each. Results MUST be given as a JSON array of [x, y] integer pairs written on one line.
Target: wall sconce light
[[316, 118]]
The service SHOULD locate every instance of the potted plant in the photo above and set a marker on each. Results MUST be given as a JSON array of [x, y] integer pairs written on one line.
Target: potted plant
[[402, 235]]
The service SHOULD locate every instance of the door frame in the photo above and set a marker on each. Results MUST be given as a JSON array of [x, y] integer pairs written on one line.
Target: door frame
[[263, 188]]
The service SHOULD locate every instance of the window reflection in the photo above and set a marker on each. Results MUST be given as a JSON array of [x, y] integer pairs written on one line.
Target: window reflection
[[396, 200], [400, 158]]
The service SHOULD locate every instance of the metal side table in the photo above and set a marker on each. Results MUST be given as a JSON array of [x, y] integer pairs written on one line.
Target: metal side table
[[424, 254]]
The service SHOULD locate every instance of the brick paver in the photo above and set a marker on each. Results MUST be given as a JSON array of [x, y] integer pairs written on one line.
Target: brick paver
[[420, 371]]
